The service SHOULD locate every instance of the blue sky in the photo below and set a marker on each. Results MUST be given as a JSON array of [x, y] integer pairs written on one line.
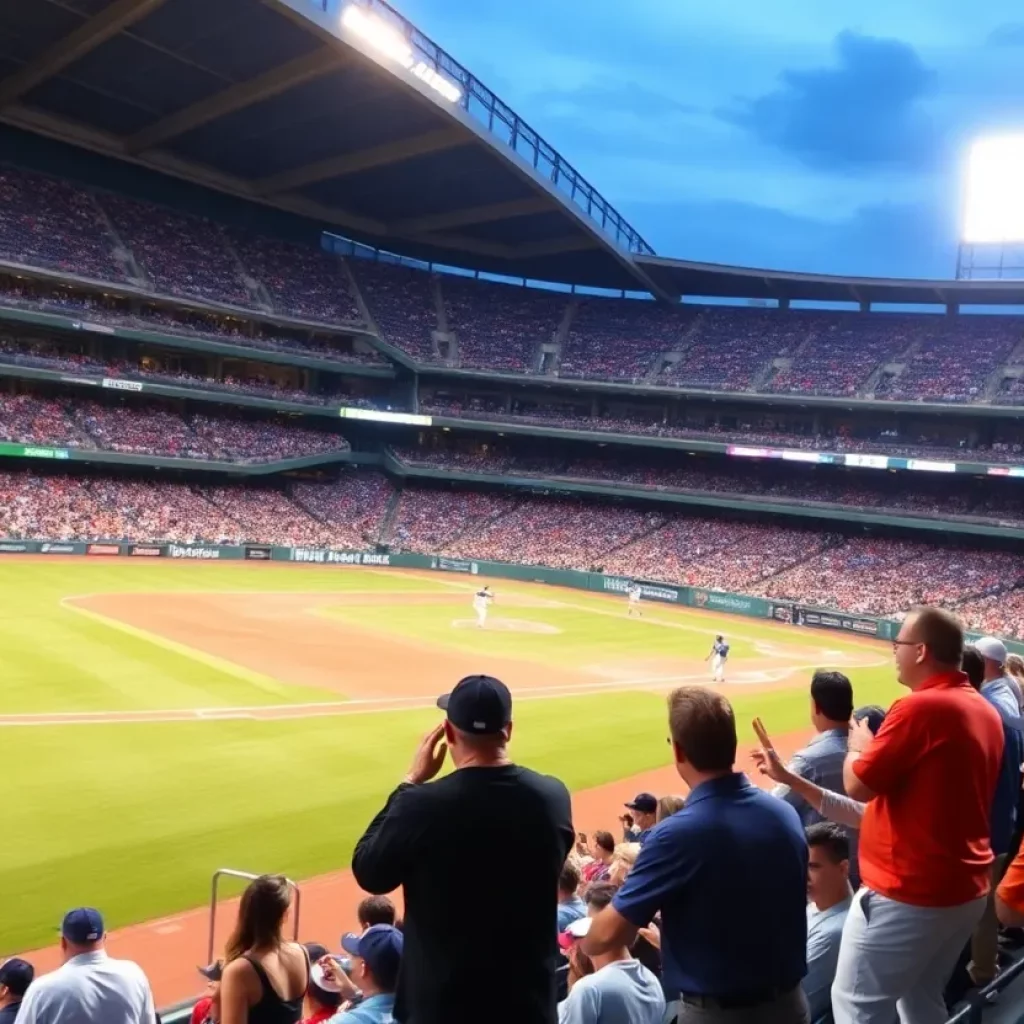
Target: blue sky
[[793, 134]]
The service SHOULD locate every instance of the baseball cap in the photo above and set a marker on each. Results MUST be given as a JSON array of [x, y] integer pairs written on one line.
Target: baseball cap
[[576, 930], [82, 926], [214, 971], [646, 803], [480, 705], [17, 975], [872, 714], [381, 948], [991, 649]]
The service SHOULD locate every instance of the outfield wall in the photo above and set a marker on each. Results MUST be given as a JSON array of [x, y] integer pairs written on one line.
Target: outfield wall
[[789, 612]]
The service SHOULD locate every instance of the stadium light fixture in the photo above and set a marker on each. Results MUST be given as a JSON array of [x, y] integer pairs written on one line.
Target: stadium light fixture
[[390, 43], [994, 208]]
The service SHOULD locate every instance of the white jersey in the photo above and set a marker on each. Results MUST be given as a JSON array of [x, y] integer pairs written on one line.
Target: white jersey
[[482, 598], [635, 593]]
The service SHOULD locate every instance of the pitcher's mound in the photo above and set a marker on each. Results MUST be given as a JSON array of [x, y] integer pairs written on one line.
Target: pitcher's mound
[[507, 626]]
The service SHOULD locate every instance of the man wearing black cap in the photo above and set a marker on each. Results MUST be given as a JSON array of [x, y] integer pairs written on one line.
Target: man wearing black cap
[[15, 978], [444, 843], [645, 814]]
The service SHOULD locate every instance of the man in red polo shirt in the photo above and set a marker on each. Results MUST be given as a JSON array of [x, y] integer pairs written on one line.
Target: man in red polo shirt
[[929, 777]]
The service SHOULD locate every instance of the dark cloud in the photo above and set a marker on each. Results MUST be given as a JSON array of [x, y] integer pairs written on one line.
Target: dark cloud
[[1010, 34], [862, 115], [879, 240]]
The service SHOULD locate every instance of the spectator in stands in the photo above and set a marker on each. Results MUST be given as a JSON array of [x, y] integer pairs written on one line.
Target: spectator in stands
[[570, 906], [618, 989], [602, 851], [265, 978], [835, 807], [376, 967], [323, 995], [829, 896], [376, 910], [15, 977], [207, 1010], [1015, 674], [821, 761], [996, 690], [669, 805], [622, 862], [644, 808], [90, 986], [733, 854], [926, 871], [440, 841]]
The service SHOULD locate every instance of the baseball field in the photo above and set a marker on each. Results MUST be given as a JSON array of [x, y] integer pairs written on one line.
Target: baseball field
[[159, 719]]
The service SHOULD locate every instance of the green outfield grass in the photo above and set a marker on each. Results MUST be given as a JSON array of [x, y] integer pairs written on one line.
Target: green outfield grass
[[134, 818]]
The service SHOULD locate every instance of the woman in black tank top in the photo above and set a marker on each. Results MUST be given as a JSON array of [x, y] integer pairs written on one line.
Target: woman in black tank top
[[265, 977]]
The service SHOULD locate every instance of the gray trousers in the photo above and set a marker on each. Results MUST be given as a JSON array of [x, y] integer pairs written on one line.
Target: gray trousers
[[790, 1008], [897, 958]]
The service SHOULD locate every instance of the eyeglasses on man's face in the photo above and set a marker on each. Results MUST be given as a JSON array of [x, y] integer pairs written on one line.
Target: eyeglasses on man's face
[[897, 644]]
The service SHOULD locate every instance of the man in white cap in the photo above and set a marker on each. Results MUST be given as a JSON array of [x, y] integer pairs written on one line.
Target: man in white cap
[[994, 653]]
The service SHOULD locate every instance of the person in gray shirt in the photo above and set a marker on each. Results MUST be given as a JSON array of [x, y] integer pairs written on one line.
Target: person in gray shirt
[[829, 897]]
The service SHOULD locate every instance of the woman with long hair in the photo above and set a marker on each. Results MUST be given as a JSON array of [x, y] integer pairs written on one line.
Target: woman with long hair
[[265, 977]]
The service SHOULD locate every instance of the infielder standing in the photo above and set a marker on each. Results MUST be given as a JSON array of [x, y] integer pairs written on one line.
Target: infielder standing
[[635, 594], [481, 602], [717, 655]]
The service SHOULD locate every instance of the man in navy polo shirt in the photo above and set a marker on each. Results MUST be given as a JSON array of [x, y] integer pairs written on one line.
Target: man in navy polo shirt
[[728, 874]]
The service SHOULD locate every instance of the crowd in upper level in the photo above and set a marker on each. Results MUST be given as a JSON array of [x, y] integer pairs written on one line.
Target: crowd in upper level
[[476, 324]]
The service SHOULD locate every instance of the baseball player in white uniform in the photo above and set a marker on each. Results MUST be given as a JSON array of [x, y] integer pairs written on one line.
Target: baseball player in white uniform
[[717, 655], [635, 594], [481, 602]]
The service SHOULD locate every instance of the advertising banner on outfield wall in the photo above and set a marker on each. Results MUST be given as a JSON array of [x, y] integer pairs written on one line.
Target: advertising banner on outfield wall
[[259, 552], [17, 547], [103, 549], [204, 552], [145, 551], [324, 556], [818, 619], [648, 591], [454, 565], [47, 548], [781, 612], [737, 604]]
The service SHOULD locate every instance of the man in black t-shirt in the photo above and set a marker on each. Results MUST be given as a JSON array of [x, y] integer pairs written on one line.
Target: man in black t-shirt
[[445, 844]]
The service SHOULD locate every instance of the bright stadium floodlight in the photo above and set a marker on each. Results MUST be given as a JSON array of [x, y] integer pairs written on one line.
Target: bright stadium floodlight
[[994, 208], [389, 42]]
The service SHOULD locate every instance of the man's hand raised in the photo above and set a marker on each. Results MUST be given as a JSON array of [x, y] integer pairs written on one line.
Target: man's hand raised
[[429, 757]]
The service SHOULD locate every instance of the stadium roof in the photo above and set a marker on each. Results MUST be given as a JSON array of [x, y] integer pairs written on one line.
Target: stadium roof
[[681, 277], [280, 102], [365, 127]]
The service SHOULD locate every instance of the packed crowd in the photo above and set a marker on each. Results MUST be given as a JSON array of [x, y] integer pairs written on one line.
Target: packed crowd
[[768, 432], [984, 499], [152, 430], [498, 327], [113, 312], [873, 576], [401, 302]]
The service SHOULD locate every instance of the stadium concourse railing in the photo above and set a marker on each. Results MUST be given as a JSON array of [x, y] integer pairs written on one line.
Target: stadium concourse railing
[[788, 612]]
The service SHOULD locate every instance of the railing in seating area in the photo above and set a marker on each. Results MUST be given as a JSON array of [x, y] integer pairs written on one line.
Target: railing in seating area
[[984, 998], [248, 877]]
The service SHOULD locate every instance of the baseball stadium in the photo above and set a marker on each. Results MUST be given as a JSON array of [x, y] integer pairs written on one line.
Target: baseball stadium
[[306, 339]]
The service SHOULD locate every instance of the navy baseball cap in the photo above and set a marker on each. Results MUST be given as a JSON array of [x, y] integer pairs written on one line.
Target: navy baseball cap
[[480, 705], [17, 975], [381, 949], [872, 714], [82, 926], [644, 802]]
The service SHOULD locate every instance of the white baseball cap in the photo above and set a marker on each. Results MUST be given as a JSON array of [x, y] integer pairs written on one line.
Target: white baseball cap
[[991, 649]]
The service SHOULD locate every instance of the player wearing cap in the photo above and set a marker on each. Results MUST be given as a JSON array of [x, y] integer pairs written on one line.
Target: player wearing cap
[[717, 655], [440, 841], [91, 986], [15, 978], [635, 593]]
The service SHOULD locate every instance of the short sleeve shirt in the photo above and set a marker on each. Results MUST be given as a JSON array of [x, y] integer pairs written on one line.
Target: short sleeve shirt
[[733, 854], [925, 837]]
